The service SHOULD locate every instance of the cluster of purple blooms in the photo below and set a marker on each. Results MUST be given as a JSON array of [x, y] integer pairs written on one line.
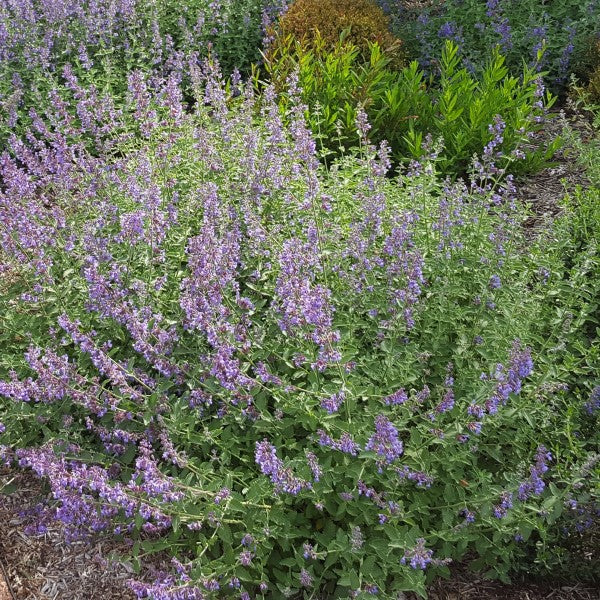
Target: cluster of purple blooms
[[305, 306], [332, 403], [346, 443], [90, 498], [385, 442], [506, 502], [500, 24], [315, 467], [281, 476], [592, 406], [535, 484], [422, 479], [496, 22], [507, 380], [43, 35], [417, 557], [447, 402], [398, 397]]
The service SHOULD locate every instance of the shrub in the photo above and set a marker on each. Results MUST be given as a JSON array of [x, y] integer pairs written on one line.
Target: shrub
[[334, 82], [405, 107], [520, 27], [594, 85], [594, 77], [362, 21], [295, 380]]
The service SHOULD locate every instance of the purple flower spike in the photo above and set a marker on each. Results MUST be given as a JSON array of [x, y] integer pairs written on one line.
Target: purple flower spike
[[418, 557], [332, 403], [385, 440], [282, 477]]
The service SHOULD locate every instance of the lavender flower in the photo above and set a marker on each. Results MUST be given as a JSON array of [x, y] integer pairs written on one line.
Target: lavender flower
[[306, 579], [385, 441], [308, 551], [422, 479], [508, 380], [264, 375], [593, 404], [495, 282], [303, 305], [332, 403], [398, 397], [506, 502], [468, 515], [313, 463], [223, 494], [447, 402], [282, 477], [418, 557], [345, 444], [535, 484]]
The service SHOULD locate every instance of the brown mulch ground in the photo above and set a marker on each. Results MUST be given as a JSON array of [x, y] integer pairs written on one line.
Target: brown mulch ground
[[45, 567], [477, 589], [543, 191], [4, 591], [467, 585]]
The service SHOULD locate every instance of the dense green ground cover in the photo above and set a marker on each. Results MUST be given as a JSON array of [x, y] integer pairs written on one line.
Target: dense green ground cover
[[297, 359]]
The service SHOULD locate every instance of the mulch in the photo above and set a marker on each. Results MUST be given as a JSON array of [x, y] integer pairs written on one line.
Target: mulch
[[468, 586], [543, 191], [45, 567], [4, 591]]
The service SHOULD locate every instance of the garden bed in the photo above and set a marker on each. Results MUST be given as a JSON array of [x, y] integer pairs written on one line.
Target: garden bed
[[45, 568], [244, 354]]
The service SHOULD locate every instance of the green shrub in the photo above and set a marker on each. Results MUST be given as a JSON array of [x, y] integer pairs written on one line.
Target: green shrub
[[334, 82], [520, 27], [405, 107]]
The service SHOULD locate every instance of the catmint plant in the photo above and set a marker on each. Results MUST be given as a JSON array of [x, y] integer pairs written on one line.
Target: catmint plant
[[296, 378]]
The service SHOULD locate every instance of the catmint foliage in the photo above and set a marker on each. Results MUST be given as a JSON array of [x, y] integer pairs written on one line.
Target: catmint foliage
[[300, 379]]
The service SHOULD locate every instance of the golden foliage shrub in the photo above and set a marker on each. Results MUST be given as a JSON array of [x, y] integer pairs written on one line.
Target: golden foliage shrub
[[361, 21]]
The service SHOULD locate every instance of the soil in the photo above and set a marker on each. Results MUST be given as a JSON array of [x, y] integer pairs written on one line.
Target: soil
[[543, 191], [45, 567], [467, 587]]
